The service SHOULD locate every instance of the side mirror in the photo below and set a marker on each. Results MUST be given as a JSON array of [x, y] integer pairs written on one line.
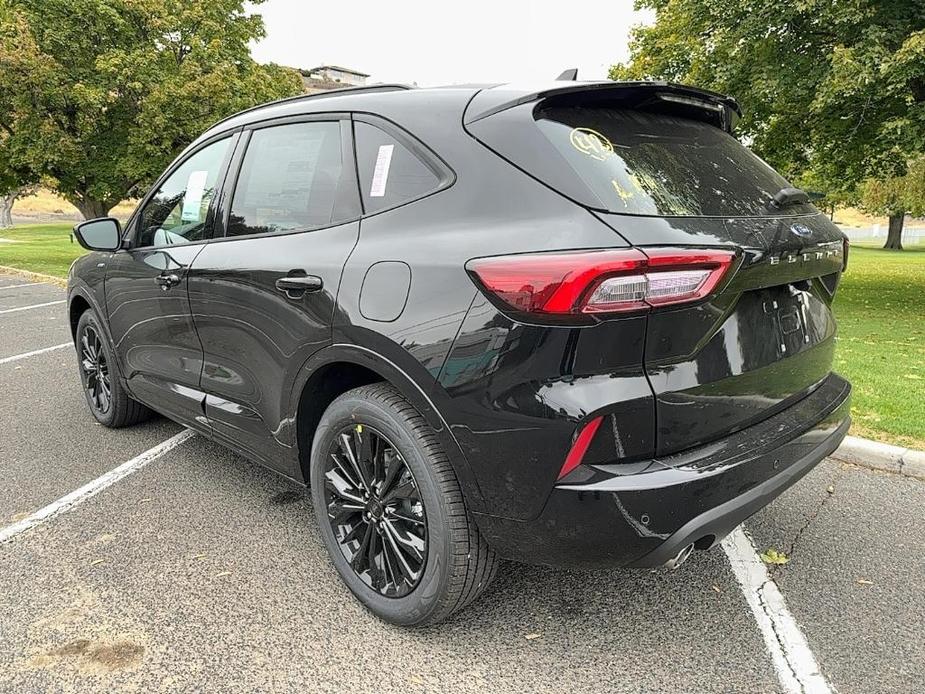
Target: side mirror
[[103, 234]]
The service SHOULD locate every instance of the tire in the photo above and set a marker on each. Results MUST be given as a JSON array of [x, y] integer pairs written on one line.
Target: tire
[[112, 407], [457, 564]]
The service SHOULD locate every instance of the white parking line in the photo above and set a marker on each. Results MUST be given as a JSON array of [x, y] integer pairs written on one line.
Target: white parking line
[[26, 308], [17, 357], [65, 503], [797, 669], [17, 286]]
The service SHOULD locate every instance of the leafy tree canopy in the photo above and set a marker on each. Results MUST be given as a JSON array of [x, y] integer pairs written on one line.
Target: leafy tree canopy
[[906, 193], [97, 96], [833, 91]]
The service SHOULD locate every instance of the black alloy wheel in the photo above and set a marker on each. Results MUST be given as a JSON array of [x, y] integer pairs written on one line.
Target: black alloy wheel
[[109, 402], [376, 511], [390, 510], [95, 370]]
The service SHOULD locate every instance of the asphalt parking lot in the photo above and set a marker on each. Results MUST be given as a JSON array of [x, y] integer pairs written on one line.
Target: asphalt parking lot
[[203, 572]]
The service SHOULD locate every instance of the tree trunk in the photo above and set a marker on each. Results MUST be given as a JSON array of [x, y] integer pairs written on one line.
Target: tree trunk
[[6, 210], [91, 209], [894, 237]]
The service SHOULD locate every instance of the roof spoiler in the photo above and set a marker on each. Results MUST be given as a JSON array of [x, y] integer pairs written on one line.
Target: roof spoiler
[[639, 95]]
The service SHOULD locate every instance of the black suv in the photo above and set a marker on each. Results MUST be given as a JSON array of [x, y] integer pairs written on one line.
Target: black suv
[[580, 325]]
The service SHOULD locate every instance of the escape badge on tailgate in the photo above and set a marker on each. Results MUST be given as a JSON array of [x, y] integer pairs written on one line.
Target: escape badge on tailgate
[[822, 251]]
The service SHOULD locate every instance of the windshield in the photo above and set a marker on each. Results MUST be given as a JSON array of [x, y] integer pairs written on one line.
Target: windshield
[[652, 164]]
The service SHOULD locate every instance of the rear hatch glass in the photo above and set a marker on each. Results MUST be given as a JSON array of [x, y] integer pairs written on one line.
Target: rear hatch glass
[[637, 162], [654, 164]]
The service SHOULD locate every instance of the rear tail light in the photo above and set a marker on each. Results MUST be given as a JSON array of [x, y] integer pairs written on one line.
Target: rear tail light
[[607, 281], [846, 246]]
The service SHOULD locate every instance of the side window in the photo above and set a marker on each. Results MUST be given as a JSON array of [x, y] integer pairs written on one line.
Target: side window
[[390, 173], [288, 179], [177, 211]]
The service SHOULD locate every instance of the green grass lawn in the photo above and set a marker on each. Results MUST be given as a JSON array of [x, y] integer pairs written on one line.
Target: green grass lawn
[[44, 248], [880, 309]]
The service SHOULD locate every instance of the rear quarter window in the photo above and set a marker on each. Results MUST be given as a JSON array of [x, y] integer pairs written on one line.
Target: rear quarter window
[[390, 173]]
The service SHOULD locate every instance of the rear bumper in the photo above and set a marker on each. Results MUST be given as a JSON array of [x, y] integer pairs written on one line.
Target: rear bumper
[[604, 517]]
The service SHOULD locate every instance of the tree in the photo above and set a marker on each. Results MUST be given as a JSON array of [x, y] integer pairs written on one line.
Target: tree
[[7, 199], [98, 96], [14, 180], [833, 91], [895, 197]]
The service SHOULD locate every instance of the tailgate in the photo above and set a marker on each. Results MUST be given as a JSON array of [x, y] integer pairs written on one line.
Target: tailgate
[[761, 344], [663, 170]]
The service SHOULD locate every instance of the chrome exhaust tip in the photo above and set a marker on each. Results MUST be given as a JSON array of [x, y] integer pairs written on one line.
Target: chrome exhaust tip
[[680, 557]]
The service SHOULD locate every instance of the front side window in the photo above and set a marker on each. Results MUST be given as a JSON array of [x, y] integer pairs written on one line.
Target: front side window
[[177, 212], [288, 180], [390, 173]]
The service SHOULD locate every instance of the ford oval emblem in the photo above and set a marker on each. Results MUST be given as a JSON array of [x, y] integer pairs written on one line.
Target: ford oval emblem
[[801, 230]]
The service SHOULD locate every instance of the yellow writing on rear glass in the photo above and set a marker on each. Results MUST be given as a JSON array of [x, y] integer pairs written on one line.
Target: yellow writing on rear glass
[[621, 191], [591, 142]]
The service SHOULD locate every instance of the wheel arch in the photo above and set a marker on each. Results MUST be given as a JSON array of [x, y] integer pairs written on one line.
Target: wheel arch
[[80, 298], [76, 308], [339, 368]]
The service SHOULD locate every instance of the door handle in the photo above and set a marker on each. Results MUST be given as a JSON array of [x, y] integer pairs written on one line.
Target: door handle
[[303, 283], [167, 281]]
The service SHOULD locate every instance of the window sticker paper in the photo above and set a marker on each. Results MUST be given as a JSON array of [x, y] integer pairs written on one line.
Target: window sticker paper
[[192, 199], [381, 172]]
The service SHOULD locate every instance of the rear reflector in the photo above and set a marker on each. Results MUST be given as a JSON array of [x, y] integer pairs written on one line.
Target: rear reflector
[[607, 281], [580, 447]]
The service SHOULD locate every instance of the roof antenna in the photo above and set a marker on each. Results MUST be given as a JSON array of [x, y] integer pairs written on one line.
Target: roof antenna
[[568, 76]]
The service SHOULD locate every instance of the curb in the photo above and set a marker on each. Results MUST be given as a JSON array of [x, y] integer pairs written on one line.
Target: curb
[[881, 456], [37, 276]]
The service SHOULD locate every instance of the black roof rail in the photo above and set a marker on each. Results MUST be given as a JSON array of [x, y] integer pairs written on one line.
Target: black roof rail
[[372, 88]]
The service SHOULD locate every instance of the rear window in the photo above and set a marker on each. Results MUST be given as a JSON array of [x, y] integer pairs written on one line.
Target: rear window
[[288, 179], [652, 164]]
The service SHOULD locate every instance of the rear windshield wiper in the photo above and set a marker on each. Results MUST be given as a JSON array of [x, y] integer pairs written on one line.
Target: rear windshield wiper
[[786, 197]]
